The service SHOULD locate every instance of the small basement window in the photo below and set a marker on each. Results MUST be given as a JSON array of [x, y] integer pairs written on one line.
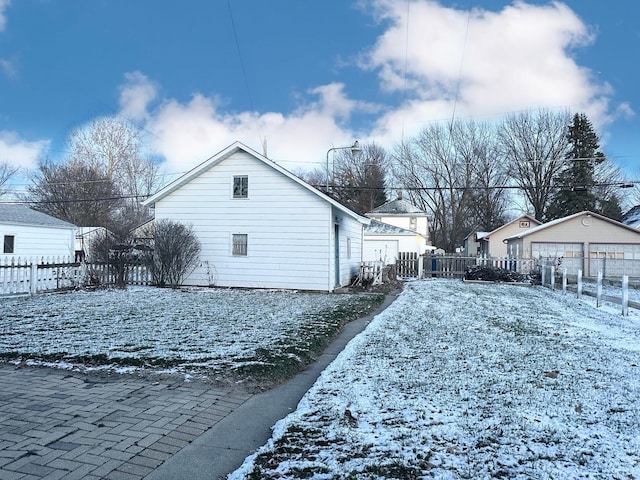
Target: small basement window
[[240, 186], [9, 244], [239, 244]]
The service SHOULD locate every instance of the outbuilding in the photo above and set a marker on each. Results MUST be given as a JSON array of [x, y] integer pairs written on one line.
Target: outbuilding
[[260, 226], [29, 233], [583, 241]]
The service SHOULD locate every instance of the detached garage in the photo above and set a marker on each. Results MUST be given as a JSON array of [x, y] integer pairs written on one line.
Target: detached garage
[[584, 241], [383, 242]]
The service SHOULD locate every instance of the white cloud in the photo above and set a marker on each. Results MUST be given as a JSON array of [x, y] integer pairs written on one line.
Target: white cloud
[[186, 134], [135, 95], [482, 62], [20, 153], [3, 17], [471, 63]]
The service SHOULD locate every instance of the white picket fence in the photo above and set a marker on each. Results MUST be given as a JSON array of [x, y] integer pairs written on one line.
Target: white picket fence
[[29, 275], [32, 275]]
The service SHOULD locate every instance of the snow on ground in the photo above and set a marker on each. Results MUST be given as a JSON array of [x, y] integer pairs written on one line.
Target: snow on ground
[[212, 329], [460, 380]]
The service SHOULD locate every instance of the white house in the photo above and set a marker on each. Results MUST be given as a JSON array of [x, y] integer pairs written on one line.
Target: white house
[[260, 226], [29, 233], [383, 242], [402, 213]]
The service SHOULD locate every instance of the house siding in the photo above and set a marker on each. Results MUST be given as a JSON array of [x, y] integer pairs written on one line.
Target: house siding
[[495, 240], [287, 228], [39, 241], [351, 233]]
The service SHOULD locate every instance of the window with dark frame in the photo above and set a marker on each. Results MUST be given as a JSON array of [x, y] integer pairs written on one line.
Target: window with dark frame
[[239, 244], [240, 186], [9, 243]]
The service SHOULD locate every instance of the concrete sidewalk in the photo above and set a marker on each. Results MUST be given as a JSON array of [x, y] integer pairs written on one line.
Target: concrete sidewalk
[[56, 424]]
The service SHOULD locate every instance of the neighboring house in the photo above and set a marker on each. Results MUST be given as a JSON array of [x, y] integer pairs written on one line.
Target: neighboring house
[[29, 233], [492, 243], [471, 244], [383, 242], [260, 226], [586, 241], [403, 214]]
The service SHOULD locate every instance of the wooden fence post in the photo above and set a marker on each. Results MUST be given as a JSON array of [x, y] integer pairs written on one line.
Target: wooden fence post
[[564, 280], [599, 290]]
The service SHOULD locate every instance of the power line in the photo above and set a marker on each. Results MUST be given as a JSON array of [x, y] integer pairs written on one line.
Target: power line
[[576, 188], [244, 70]]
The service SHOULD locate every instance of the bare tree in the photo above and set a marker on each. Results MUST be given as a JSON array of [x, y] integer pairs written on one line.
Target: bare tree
[[6, 172], [452, 172], [113, 147], [488, 200], [175, 252], [535, 146], [359, 179], [75, 192]]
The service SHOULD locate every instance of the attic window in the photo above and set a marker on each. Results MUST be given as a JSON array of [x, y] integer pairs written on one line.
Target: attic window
[[240, 186], [9, 241], [525, 224], [413, 223]]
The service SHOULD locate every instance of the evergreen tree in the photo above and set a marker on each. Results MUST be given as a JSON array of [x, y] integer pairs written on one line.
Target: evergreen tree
[[576, 182]]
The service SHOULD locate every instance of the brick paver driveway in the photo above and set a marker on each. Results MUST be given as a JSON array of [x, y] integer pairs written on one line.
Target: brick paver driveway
[[60, 425]]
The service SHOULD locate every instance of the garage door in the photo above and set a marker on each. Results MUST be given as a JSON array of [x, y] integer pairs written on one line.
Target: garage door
[[566, 255], [614, 259]]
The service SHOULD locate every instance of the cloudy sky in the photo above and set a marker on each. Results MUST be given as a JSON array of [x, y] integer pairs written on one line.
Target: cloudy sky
[[301, 76]]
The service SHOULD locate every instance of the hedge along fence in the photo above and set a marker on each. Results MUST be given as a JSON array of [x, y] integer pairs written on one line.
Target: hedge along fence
[[32, 275]]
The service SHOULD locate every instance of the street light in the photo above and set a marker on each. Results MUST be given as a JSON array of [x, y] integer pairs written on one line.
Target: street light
[[355, 148]]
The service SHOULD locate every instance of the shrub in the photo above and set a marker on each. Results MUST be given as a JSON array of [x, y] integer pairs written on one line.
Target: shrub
[[175, 252]]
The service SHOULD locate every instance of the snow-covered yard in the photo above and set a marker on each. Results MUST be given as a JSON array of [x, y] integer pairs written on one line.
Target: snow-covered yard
[[475, 381], [215, 331]]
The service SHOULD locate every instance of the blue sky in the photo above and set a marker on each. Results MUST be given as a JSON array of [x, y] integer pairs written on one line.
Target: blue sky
[[303, 76]]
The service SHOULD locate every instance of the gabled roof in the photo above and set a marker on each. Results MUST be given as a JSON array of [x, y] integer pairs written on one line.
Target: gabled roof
[[381, 228], [226, 153], [397, 207], [526, 216], [22, 215], [571, 217]]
